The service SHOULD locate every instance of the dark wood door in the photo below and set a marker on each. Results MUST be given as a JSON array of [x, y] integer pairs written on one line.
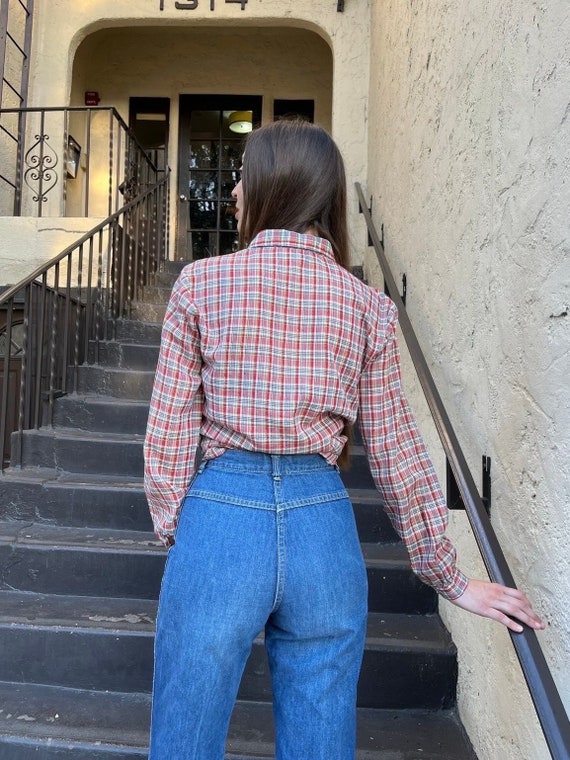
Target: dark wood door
[[208, 170]]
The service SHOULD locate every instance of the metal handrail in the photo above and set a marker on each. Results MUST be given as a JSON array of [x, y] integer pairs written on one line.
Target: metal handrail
[[548, 704], [79, 109], [71, 303], [44, 162]]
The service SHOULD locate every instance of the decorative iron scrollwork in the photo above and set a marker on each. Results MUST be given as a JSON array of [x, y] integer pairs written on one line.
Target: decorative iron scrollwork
[[40, 176]]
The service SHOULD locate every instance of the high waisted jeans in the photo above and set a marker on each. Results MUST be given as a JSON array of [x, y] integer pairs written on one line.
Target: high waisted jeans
[[263, 542]]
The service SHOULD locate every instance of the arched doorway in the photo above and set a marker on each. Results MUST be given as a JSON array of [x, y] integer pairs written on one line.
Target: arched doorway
[[197, 76]]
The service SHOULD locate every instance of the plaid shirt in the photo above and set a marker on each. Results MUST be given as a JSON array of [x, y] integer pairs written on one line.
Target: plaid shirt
[[272, 349]]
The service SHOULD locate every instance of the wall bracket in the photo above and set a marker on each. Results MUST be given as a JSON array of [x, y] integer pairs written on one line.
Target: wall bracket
[[454, 500]]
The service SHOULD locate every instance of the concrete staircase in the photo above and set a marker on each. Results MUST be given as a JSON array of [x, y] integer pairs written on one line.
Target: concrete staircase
[[80, 576]]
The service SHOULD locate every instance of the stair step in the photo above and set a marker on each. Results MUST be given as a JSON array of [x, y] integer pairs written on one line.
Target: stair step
[[148, 312], [392, 586], [168, 273], [114, 453], [106, 501], [135, 331], [38, 722], [164, 279], [358, 476], [80, 561], [106, 643], [119, 563], [374, 525], [131, 356], [69, 450], [101, 414], [114, 726], [157, 293], [174, 267], [74, 500], [119, 382]]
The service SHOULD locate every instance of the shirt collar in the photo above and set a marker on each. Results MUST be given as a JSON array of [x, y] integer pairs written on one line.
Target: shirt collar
[[288, 239]]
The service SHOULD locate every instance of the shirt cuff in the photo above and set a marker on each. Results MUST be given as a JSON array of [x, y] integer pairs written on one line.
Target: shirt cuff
[[167, 539], [455, 588]]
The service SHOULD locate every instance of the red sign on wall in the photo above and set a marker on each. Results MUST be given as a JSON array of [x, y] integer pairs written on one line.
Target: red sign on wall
[[92, 98]]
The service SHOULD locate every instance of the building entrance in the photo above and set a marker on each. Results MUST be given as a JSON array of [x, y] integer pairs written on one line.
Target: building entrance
[[211, 134]]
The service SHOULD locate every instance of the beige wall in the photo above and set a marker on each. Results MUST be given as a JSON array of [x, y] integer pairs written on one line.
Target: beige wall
[[469, 150], [27, 243]]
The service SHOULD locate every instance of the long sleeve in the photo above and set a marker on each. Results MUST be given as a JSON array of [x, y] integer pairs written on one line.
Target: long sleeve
[[403, 471], [175, 415]]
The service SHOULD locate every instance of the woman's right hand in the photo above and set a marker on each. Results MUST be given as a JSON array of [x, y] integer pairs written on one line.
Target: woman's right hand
[[499, 603]]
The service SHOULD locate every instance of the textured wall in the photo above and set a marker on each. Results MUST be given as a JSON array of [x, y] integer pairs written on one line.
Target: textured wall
[[49, 236], [469, 166]]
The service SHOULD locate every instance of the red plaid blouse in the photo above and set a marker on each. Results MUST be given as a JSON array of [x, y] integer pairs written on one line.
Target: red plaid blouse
[[271, 349]]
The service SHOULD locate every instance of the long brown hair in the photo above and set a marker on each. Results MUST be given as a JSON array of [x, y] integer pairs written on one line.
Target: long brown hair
[[293, 178]]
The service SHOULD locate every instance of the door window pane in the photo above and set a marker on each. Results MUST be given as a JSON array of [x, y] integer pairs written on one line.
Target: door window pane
[[203, 154], [16, 342], [228, 181], [203, 215], [203, 186], [227, 218], [214, 161], [231, 155], [203, 244], [228, 242]]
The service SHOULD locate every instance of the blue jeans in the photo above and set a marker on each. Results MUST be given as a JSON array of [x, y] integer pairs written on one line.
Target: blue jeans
[[263, 542]]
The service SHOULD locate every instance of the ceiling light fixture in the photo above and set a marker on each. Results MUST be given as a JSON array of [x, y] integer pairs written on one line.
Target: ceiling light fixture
[[241, 122]]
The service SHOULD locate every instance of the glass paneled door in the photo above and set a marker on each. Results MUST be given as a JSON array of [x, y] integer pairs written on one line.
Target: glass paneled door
[[209, 162]]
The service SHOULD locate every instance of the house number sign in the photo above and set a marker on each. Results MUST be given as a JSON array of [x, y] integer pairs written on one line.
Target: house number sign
[[193, 4]]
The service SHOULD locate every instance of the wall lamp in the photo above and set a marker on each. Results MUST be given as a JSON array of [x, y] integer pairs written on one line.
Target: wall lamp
[[73, 156]]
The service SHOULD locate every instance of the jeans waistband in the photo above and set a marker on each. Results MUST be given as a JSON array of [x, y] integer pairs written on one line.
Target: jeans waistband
[[272, 464]]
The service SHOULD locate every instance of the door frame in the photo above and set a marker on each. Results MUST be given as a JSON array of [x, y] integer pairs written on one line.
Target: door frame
[[187, 104]]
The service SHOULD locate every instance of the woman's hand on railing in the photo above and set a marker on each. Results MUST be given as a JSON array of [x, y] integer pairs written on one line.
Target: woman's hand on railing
[[499, 603]]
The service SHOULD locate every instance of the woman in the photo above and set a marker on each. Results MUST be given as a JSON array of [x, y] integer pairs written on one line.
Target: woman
[[267, 356]]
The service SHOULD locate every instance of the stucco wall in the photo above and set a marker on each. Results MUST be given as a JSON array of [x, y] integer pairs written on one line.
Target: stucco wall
[[27, 243], [469, 166]]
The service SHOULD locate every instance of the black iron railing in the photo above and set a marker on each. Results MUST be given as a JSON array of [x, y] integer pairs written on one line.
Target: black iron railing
[[69, 162], [50, 319], [16, 21], [547, 701]]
